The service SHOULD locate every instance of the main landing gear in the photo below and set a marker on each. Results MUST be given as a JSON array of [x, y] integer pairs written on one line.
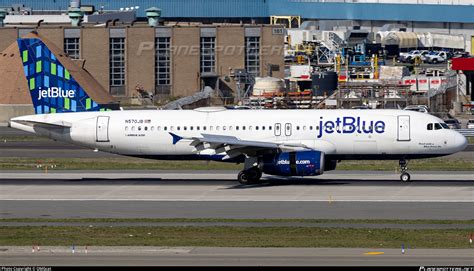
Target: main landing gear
[[250, 176], [252, 172], [404, 177]]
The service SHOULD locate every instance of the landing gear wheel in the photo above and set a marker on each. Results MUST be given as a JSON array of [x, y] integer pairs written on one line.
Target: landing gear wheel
[[405, 177], [243, 178], [249, 176]]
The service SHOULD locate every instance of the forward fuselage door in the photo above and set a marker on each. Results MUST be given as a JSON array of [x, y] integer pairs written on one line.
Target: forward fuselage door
[[102, 130], [403, 128]]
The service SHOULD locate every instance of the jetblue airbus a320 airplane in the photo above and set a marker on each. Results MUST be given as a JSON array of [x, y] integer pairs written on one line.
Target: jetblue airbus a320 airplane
[[274, 142]]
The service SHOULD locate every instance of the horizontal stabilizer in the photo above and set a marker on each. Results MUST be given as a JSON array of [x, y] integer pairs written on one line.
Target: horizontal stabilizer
[[58, 124]]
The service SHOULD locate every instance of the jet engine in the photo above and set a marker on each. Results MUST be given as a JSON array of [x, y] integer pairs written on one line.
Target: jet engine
[[300, 163]]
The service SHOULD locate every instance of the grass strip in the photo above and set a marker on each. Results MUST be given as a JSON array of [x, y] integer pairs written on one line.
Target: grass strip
[[137, 163], [233, 237], [217, 220]]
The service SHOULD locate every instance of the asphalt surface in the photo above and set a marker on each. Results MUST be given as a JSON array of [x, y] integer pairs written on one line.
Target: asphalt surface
[[202, 194], [198, 256]]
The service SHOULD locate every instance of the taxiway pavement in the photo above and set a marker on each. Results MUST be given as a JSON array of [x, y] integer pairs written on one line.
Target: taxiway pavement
[[203, 194], [140, 256]]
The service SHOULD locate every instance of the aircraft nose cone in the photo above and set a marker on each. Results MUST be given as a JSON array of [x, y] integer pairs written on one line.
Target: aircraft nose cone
[[460, 141]]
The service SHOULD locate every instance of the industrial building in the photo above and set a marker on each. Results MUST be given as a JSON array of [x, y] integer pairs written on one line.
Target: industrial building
[[166, 60], [440, 16], [176, 48]]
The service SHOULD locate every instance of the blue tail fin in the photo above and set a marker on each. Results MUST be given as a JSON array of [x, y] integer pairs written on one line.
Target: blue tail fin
[[52, 87]]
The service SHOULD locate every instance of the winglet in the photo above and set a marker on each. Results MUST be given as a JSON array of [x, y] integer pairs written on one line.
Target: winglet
[[176, 138]]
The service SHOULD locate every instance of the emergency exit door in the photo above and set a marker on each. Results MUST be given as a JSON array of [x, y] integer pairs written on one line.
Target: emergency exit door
[[403, 128], [102, 130], [277, 129], [287, 129]]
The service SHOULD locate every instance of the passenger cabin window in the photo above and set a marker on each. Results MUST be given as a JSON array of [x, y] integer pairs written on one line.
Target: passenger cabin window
[[430, 126], [438, 126]]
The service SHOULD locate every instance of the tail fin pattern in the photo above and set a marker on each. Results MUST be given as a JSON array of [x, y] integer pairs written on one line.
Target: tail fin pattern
[[52, 87]]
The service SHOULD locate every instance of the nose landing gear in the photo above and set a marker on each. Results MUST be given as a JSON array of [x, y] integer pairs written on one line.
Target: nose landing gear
[[404, 177]]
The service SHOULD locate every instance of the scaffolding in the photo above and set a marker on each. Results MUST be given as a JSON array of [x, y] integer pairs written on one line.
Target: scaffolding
[[286, 20], [375, 94]]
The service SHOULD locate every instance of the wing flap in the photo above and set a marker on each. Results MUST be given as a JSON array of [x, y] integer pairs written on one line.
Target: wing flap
[[232, 146]]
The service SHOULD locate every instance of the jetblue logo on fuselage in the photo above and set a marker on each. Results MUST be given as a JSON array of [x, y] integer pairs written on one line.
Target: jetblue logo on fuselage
[[350, 125], [298, 162], [55, 92]]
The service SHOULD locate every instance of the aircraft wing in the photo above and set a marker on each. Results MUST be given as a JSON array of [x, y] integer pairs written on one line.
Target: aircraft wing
[[232, 146]]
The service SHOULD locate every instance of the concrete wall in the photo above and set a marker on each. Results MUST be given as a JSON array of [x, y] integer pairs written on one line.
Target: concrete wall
[[185, 61], [231, 53], [140, 59], [10, 111], [53, 34], [7, 37], [95, 50], [271, 51]]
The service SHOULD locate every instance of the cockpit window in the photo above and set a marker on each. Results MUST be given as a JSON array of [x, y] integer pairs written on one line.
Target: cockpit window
[[444, 125], [430, 126], [438, 126]]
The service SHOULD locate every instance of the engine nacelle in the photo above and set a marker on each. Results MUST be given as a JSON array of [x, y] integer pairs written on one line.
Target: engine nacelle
[[302, 163]]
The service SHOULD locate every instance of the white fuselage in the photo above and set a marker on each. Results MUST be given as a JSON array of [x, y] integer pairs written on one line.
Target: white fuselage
[[341, 134]]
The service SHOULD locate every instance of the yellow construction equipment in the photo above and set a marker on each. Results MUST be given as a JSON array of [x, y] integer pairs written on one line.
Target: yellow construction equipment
[[286, 20]]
